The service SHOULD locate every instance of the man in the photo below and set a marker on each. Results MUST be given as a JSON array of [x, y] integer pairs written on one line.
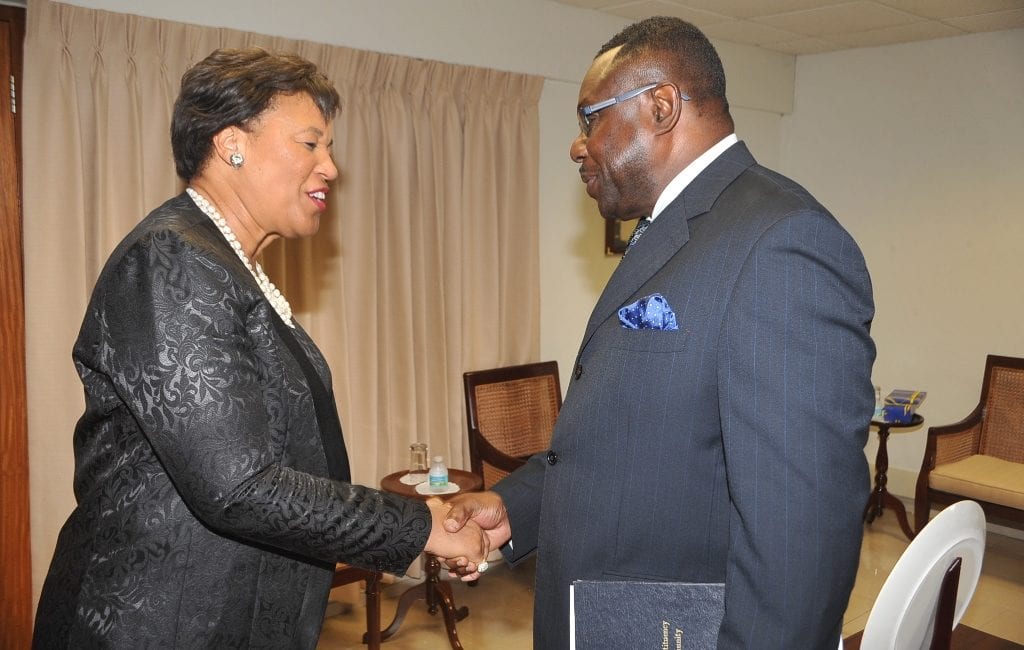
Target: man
[[714, 427]]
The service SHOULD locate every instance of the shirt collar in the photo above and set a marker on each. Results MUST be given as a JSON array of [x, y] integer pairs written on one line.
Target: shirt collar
[[690, 172]]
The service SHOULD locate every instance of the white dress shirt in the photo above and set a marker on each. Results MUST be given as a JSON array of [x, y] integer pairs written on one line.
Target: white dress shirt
[[683, 178]]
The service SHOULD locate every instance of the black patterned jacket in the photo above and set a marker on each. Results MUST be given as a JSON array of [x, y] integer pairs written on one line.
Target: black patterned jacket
[[205, 516]]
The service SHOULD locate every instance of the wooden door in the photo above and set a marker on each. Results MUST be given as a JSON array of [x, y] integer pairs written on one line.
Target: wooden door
[[15, 556]]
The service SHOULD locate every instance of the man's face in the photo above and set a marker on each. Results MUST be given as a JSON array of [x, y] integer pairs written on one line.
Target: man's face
[[615, 156]]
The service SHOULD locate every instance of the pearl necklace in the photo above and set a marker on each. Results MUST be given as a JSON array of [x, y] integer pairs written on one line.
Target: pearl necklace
[[272, 293]]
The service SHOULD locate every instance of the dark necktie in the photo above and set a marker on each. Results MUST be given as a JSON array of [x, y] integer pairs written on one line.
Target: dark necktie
[[641, 226]]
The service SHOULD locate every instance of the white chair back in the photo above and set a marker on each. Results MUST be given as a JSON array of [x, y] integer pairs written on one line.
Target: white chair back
[[903, 616]]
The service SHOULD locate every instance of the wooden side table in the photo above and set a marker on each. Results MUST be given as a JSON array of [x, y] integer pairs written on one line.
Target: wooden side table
[[880, 496], [435, 591]]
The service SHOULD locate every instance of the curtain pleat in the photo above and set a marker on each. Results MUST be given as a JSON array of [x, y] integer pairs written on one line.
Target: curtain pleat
[[426, 264]]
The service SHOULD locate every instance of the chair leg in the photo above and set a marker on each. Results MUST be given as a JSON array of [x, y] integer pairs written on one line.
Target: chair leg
[[920, 516], [922, 508], [372, 636]]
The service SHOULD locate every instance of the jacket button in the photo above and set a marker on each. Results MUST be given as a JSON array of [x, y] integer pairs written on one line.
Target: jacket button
[[552, 458], [577, 372]]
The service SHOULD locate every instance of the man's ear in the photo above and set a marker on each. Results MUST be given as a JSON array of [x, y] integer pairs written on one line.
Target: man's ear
[[227, 141], [667, 106]]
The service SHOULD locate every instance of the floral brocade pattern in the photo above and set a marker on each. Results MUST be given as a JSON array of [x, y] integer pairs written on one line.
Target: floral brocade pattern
[[205, 517]]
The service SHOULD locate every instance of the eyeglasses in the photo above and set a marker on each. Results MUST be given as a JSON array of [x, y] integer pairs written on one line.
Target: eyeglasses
[[583, 113]]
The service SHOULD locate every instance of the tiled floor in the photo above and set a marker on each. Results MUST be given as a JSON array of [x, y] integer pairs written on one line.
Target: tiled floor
[[501, 606]]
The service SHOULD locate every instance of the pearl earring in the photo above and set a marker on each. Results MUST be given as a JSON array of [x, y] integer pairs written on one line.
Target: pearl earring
[[236, 159]]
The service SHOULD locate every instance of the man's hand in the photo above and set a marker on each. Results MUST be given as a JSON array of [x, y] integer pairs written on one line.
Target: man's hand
[[484, 509], [468, 542]]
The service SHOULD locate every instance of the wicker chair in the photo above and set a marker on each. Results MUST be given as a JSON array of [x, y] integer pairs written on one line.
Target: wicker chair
[[511, 412], [982, 456]]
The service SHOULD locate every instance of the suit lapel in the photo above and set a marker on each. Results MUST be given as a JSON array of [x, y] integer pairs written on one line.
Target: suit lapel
[[667, 234]]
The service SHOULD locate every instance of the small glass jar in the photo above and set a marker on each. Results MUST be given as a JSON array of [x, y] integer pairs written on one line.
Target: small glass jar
[[418, 465]]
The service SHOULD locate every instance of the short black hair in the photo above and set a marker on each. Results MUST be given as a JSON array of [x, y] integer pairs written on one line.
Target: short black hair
[[690, 53], [233, 87]]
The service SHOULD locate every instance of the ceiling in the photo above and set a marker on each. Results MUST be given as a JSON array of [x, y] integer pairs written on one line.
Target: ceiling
[[815, 26]]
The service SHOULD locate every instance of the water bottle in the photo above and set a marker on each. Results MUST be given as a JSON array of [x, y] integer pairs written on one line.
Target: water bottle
[[438, 474], [879, 405]]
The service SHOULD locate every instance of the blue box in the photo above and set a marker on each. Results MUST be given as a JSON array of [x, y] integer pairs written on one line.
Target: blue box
[[900, 405]]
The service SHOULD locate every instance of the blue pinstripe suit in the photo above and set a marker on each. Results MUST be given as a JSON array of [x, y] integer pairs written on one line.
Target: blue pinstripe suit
[[730, 450]]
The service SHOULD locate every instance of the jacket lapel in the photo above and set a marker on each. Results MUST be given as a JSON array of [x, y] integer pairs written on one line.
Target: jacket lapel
[[667, 234], [326, 411]]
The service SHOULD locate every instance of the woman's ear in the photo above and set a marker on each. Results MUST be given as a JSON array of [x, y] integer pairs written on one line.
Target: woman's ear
[[227, 142], [667, 107]]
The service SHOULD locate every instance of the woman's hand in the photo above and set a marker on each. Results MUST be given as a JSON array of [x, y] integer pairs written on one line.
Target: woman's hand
[[469, 542], [485, 509]]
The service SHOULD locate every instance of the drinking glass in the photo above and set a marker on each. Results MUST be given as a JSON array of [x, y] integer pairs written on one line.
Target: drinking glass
[[418, 465]]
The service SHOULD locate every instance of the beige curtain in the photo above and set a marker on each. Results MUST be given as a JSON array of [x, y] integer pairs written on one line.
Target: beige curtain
[[425, 266]]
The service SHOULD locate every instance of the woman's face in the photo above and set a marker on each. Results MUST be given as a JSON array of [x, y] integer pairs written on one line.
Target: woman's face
[[288, 167]]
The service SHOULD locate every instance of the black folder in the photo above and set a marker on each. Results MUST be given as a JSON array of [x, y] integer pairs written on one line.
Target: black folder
[[608, 615]]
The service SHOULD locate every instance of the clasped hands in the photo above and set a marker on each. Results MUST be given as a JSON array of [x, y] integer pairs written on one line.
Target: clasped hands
[[465, 529]]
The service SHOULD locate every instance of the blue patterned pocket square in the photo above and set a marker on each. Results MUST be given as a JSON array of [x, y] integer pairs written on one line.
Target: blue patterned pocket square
[[649, 313]]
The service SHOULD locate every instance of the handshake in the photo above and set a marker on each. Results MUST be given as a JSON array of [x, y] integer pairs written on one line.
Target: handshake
[[464, 530]]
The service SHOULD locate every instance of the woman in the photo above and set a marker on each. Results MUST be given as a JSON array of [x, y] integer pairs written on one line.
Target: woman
[[211, 477]]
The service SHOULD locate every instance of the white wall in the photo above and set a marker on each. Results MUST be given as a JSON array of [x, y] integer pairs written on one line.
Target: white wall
[[918, 150]]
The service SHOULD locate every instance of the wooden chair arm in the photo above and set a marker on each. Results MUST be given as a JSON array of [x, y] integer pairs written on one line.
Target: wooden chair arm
[[949, 443], [971, 421]]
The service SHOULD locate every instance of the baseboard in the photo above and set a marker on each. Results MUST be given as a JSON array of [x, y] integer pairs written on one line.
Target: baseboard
[[902, 482]]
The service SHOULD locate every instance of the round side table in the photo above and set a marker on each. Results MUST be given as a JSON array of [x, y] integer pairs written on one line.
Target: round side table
[[880, 496], [435, 591]]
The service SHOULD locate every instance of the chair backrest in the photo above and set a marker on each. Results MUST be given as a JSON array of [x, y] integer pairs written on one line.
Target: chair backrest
[[908, 608], [1002, 397], [510, 413]]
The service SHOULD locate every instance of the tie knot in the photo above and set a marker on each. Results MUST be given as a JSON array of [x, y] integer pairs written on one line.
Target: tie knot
[[641, 226]]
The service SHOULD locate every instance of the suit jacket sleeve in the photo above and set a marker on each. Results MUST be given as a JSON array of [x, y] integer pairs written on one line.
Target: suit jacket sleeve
[[521, 491], [795, 400], [191, 354]]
